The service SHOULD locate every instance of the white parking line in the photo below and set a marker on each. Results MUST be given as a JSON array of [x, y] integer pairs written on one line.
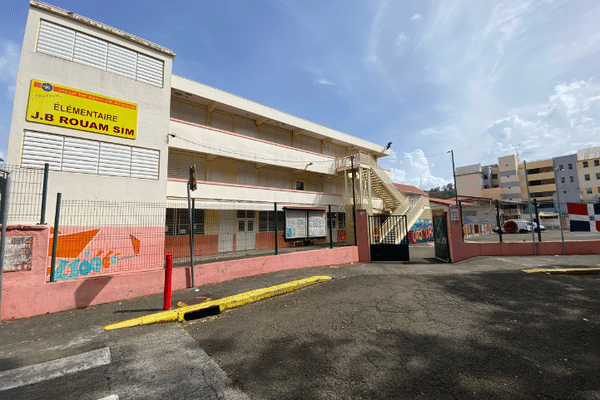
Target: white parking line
[[53, 369]]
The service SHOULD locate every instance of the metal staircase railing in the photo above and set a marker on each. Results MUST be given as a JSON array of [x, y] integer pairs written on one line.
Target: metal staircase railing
[[383, 186]]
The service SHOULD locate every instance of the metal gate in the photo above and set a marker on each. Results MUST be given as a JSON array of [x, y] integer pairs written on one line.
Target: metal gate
[[388, 236], [440, 237]]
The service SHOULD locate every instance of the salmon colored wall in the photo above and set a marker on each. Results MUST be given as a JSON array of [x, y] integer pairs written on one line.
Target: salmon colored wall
[[26, 293], [362, 236], [461, 251], [179, 246]]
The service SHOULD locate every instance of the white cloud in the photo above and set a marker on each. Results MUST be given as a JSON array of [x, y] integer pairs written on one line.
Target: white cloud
[[324, 81], [9, 65], [416, 17], [569, 120], [414, 169], [401, 39]]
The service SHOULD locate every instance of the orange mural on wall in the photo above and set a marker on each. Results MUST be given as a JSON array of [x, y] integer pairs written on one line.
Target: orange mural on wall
[[70, 247]]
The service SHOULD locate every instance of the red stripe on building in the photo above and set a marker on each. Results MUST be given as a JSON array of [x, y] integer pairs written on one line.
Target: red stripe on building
[[577, 209]]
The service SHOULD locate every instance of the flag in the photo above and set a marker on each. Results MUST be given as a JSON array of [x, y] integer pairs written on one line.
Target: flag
[[584, 217]]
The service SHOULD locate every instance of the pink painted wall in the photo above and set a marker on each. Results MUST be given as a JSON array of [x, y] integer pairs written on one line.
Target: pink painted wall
[[362, 236], [460, 250], [26, 293]]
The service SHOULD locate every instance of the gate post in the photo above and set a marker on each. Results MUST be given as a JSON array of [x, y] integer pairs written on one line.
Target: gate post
[[362, 236]]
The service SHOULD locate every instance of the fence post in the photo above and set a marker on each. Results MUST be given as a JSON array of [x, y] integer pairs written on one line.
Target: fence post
[[44, 194], [560, 219], [5, 196], [498, 220], [330, 229], [55, 237], [168, 274], [276, 222], [537, 219]]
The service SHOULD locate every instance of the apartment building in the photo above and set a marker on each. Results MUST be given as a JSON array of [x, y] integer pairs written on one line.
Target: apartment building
[[513, 182], [104, 110], [588, 172]]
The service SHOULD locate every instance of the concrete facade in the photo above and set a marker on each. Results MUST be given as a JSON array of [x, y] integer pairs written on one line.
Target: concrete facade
[[153, 103], [588, 171]]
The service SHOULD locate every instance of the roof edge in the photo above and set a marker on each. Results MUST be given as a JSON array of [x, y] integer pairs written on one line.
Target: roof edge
[[99, 25]]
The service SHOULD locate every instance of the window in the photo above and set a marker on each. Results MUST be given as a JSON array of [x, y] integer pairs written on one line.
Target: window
[[596, 163], [597, 175], [570, 166], [585, 164], [178, 222], [571, 178], [561, 167], [341, 220], [485, 177], [562, 179], [588, 190], [266, 221], [586, 177], [299, 185]]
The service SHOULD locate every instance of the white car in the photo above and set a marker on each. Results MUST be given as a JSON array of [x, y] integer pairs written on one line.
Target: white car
[[519, 226]]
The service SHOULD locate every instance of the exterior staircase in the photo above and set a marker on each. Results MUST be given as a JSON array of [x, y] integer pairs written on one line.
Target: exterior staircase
[[373, 178]]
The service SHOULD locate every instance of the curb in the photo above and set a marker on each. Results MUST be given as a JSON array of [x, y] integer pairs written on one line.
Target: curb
[[225, 303], [564, 271]]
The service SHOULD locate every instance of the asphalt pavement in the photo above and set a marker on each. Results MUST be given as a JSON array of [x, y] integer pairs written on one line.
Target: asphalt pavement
[[477, 329]]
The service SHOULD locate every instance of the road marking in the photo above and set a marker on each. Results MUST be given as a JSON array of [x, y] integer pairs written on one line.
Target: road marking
[[224, 304], [111, 397], [31, 374]]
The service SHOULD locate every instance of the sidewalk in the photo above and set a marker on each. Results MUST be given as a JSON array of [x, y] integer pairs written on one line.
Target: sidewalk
[[48, 337], [104, 314]]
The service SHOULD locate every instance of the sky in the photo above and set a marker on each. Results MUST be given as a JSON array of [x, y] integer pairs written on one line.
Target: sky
[[482, 78]]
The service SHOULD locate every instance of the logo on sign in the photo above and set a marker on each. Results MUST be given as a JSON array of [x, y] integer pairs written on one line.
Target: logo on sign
[[46, 87]]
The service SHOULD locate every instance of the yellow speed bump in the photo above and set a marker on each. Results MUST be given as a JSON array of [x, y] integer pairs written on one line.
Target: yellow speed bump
[[223, 304], [563, 271]]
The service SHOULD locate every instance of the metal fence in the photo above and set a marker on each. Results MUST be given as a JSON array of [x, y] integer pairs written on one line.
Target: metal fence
[[99, 237], [224, 231], [544, 221], [26, 195]]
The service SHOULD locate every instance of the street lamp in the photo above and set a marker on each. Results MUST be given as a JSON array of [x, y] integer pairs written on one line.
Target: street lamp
[[562, 235]]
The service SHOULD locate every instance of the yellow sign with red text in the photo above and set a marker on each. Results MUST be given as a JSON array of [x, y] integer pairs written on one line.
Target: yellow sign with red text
[[58, 105]]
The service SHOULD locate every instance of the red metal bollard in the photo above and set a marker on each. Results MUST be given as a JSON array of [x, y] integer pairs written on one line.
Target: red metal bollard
[[168, 273]]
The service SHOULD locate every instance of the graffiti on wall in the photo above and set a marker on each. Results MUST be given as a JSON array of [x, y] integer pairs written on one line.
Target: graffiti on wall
[[421, 231], [70, 247]]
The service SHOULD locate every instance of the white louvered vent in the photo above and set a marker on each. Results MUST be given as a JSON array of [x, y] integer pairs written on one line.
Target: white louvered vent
[[144, 163], [88, 156], [121, 61], [90, 51], [69, 44], [149, 70], [40, 148], [80, 155], [114, 160], [56, 40]]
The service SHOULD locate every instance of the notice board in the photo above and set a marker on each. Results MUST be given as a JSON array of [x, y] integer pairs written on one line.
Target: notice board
[[304, 223]]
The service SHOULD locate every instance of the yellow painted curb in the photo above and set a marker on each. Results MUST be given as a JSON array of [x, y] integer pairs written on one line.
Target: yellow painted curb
[[563, 271], [224, 303]]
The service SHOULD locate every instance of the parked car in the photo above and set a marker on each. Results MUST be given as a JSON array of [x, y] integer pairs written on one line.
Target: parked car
[[519, 226]]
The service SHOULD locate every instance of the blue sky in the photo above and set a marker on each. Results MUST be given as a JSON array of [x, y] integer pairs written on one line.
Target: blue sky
[[484, 78]]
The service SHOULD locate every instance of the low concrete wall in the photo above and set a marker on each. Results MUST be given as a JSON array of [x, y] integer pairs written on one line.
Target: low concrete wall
[[26, 293], [460, 250]]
